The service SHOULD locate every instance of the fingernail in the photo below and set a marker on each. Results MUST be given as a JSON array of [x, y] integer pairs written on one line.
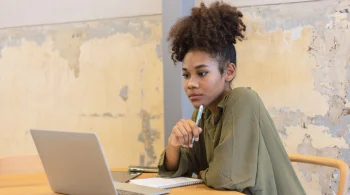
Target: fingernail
[[191, 145], [196, 139]]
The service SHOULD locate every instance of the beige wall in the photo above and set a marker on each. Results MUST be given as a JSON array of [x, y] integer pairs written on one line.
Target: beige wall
[[102, 76], [38, 12]]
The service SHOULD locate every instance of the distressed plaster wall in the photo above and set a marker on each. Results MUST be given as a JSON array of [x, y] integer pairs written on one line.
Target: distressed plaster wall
[[297, 57], [101, 76]]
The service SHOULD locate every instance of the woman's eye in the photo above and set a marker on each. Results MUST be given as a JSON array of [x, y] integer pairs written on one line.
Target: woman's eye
[[202, 74], [185, 75]]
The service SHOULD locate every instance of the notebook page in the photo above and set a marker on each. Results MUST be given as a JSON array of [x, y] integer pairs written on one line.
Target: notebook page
[[159, 182]]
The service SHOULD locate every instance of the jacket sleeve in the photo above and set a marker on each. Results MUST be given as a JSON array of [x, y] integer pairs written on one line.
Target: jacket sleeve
[[234, 164], [188, 161]]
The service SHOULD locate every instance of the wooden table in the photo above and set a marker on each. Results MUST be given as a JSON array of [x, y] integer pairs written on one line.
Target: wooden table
[[37, 184]]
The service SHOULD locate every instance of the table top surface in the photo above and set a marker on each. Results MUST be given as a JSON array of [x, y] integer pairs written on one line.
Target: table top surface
[[38, 184]]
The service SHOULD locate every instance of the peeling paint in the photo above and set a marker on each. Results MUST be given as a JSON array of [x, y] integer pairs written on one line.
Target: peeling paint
[[344, 154], [69, 50], [95, 115], [141, 74], [136, 26], [14, 37], [321, 138], [142, 160], [107, 114], [67, 38], [337, 106], [148, 136], [285, 117], [68, 73], [159, 50], [296, 33], [280, 16], [124, 93], [326, 175], [305, 80]]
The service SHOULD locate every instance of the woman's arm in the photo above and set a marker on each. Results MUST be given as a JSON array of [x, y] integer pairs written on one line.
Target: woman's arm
[[172, 157], [190, 160], [180, 161]]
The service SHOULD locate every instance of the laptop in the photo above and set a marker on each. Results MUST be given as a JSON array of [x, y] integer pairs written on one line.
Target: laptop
[[75, 164]]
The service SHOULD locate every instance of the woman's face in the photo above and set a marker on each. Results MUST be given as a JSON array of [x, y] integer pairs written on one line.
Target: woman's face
[[202, 80]]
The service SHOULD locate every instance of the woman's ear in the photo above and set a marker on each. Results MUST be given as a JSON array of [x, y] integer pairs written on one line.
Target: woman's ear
[[230, 72]]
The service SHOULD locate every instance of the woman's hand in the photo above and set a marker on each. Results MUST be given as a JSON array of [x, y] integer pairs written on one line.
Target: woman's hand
[[182, 133]]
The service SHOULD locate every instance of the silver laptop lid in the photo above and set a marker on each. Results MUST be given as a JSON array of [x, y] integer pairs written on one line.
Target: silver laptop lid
[[74, 162]]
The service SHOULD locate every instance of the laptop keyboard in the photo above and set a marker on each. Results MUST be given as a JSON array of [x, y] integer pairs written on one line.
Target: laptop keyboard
[[123, 192]]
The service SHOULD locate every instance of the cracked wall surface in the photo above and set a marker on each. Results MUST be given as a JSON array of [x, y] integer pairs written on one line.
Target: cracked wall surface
[[101, 76], [297, 57]]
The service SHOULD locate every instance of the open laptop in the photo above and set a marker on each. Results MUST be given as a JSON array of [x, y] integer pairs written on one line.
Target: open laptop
[[74, 163]]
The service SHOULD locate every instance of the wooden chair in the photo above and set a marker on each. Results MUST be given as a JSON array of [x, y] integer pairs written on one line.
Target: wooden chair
[[330, 162], [21, 164]]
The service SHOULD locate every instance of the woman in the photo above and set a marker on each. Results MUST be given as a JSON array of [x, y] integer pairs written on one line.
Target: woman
[[237, 146]]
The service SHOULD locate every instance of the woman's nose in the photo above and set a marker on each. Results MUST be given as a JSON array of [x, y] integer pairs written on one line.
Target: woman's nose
[[192, 83]]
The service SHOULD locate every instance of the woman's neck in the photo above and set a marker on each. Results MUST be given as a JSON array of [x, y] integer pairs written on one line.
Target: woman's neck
[[214, 105]]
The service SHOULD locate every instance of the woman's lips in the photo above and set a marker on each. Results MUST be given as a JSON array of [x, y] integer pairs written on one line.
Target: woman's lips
[[195, 96]]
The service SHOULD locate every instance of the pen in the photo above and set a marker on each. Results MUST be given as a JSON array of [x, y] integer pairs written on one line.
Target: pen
[[198, 118]]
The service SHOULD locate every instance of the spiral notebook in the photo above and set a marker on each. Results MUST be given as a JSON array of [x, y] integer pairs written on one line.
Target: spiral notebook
[[166, 183]]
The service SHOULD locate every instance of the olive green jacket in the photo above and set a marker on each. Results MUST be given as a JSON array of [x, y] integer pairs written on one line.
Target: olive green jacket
[[239, 149]]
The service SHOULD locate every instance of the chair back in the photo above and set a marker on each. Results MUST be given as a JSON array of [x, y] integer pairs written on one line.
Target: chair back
[[330, 162]]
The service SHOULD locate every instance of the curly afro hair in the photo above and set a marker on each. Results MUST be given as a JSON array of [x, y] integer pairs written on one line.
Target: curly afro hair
[[212, 29]]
